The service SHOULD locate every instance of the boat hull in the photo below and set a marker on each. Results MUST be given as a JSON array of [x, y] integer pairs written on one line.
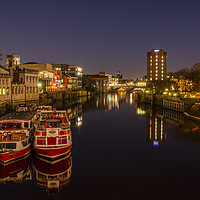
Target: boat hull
[[8, 157], [14, 167], [53, 153]]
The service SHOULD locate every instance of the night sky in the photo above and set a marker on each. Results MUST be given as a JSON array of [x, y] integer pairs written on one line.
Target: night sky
[[101, 35]]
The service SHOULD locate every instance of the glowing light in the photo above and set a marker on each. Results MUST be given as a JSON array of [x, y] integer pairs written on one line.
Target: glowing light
[[155, 143], [139, 111], [156, 50]]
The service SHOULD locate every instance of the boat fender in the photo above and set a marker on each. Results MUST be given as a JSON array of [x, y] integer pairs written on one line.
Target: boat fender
[[5, 134]]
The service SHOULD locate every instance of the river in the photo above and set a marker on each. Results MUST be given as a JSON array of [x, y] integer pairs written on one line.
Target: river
[[121, 150]]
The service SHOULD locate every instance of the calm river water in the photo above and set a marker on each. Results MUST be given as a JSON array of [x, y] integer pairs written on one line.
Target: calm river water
[[121, 150]]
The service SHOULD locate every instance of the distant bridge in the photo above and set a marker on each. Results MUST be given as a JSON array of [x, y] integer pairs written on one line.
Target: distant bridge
[[127, 88]]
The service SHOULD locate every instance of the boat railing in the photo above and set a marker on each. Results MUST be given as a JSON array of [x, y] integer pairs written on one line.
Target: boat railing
[[45, 132], [13, 136], [44, 141]]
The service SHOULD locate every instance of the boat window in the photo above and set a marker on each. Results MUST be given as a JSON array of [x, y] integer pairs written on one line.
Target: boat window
[[3, 126], [25, 124], [52, 124], [24, 143], [9, 125], [16, 125], [2, 145], [10, 145]]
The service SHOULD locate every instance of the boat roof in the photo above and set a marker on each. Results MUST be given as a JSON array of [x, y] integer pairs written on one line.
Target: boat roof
[[18, 116]]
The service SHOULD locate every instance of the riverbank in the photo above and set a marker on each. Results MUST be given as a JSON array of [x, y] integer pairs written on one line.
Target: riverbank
[[191, 107], [193, 112], [61, 97]]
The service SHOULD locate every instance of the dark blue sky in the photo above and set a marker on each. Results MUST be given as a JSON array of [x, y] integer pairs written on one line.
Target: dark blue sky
[[101, 35]]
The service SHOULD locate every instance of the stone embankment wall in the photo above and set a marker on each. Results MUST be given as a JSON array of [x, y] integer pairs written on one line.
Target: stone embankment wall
[[69, 96]]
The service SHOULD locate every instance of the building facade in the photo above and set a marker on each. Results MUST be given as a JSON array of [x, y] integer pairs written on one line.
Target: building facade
[[5, 86], [72, 70], [157, 65], [24, 85], [12, 59]]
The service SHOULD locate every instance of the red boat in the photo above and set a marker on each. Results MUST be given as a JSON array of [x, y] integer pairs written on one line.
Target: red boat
[[16, 132], [16, 172], [52, 138], [53, 175]]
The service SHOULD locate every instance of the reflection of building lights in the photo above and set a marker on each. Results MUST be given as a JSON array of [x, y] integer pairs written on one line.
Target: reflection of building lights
[[155, 128], [155, 143], [139, 111], [79, 124], [110, 98], [131, 98]]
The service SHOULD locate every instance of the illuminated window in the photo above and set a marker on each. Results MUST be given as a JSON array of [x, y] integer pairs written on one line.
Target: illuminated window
[[151, 78], [156, 56], [162, 64], [156, 67], [156, 74], [156, 71], [162, 79], [156, 60], [156, 78], [162, 67], [0, 91], [156, 63], [151, 64], [150, 56], [150, 71], [162, 75], [162, 72], [4, 90], [161, 60], [150, 60]]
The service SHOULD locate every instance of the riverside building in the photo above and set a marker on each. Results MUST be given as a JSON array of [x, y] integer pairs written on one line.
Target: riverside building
[[157, 65]]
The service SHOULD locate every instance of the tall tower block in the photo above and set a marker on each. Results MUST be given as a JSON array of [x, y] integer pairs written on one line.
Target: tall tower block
[[157, 65]]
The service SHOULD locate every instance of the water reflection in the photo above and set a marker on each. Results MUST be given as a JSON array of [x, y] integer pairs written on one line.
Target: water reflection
[[107, 102], [53, 175], [16, 172], [75, 115], [158, 119], [156, 132], [139, 124]]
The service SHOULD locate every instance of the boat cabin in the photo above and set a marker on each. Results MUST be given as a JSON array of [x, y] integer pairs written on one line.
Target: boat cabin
[[14, 144], [15, 126], [43, 115]]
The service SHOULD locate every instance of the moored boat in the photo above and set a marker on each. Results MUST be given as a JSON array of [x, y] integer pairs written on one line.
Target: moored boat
[[52, 138], [16, 133]]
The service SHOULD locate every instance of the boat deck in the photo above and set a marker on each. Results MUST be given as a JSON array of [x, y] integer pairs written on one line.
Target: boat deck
[[18, 116]]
